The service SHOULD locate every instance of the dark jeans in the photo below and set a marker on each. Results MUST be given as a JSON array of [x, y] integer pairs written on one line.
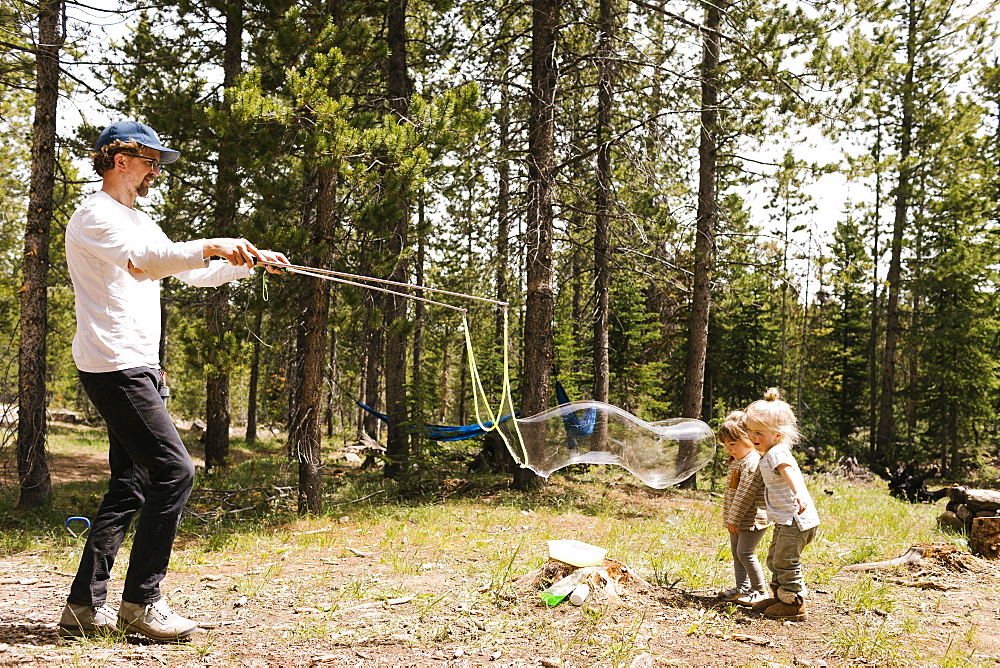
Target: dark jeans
[[150, 470]]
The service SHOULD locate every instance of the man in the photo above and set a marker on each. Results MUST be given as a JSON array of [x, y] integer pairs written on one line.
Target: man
[[116, 257]]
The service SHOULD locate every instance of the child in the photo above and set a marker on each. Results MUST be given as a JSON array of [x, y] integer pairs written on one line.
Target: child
[[773, 431], [747, 525]]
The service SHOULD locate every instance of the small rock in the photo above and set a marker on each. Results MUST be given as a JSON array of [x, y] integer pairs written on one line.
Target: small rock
[[550, 663], [495, 655], [459, 652]]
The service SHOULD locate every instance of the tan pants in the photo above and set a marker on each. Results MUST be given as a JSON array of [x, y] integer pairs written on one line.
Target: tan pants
[[783, 557]]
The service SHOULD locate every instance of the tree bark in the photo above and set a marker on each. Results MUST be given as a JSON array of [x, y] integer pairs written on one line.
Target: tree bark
[[708, 214], [32, 465], [312, 352], [883, 435], [251, 433], [494, 453], [218, 356], [602, 222], [398, 439], [539, 301], [873, 333]]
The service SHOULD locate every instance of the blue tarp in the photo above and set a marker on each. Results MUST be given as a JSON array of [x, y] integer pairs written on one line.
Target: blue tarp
[[576, 427], [439, 432]]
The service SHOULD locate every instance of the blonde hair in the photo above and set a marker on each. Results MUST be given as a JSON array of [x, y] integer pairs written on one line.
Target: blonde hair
[[733, 429], [775, 414]]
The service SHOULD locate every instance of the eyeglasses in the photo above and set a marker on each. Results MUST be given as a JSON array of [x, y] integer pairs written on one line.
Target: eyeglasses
[[154, 164]]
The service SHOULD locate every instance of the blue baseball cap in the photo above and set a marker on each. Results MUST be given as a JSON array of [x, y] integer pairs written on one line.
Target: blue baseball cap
[[143, 134]]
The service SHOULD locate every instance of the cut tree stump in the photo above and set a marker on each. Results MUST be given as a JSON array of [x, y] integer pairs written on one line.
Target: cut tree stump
[[911, 556], [940, 554], [984, 539]]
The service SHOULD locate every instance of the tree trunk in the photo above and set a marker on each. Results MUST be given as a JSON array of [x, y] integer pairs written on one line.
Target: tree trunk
[[494, 453], [312, 352], [32, 464], [539, 302], [251, 433], [398, 441], [708, 214], [218, 354], [417, 365], [373, 366], [883, 436], [602, 222], [334, 370], [873, 333]]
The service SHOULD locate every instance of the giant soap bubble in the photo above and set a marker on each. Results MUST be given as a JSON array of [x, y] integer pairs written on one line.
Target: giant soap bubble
[[590, 432]]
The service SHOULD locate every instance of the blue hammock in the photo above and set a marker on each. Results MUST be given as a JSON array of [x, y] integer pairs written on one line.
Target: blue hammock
[[439, 432], [576, 427]]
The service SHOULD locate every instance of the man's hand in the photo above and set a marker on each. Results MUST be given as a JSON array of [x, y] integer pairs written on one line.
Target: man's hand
[[240, 252], [272, 261]]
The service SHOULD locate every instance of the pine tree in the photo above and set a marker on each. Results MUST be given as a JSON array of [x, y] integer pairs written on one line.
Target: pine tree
[[32, 465]]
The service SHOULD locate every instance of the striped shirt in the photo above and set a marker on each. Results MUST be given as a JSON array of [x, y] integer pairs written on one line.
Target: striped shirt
[[743, 502]]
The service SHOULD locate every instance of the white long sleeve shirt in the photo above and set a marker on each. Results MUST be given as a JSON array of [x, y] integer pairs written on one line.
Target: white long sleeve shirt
[[117, 308]]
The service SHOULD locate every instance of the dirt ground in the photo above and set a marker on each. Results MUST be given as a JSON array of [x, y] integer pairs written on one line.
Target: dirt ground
[[303, 618]]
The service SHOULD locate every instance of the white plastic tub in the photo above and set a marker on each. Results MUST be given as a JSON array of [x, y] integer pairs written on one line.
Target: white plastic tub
[[576, 553]]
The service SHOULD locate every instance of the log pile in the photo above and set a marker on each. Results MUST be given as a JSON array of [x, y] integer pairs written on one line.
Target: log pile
[[965, 505], [975, 512]]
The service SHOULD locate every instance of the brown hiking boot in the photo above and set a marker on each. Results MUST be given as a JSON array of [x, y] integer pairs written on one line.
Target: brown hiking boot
[[762, 605], [792, 612]]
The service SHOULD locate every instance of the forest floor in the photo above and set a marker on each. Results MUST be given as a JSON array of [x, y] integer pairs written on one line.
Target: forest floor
[[435, 584]]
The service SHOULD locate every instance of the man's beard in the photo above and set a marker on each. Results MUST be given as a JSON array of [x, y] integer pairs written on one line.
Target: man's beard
[[143, 189]]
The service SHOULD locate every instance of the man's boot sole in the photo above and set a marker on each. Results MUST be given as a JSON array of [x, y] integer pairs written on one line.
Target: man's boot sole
[[69, 632], [133, 628]]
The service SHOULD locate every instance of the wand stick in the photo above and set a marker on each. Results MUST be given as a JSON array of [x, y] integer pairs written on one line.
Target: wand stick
[[329, 272], [302, 270]]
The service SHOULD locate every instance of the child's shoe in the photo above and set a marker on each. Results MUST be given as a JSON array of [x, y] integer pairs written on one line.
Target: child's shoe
[[750, 598], [731, 593], [791, 611], [764, 604]]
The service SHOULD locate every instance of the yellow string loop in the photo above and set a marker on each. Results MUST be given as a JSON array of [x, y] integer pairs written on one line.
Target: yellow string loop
[[506, 396]]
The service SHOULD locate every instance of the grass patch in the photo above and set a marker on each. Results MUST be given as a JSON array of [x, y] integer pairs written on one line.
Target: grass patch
[[476, 541]]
